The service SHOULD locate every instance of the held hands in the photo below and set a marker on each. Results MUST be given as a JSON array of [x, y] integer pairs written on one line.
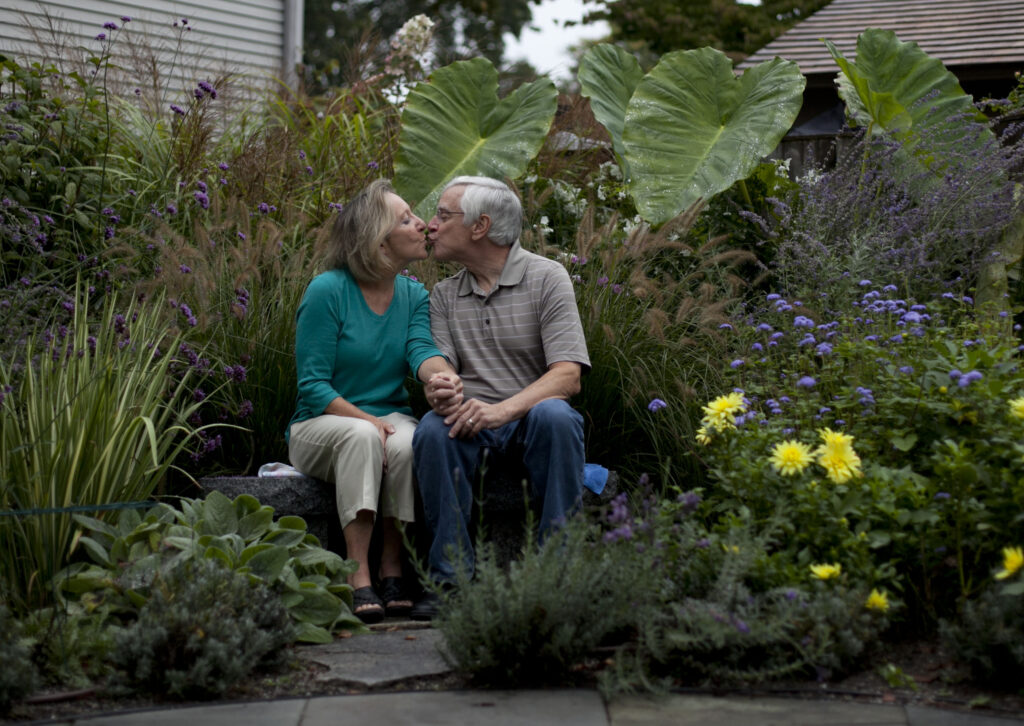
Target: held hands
[[444, 393]]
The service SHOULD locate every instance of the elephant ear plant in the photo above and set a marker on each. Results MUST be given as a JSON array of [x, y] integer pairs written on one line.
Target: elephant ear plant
[[690, 128], [241, 535], [894, 87], [455, 125]]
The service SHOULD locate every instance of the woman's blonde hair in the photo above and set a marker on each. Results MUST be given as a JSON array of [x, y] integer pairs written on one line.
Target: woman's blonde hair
[[360, 229]]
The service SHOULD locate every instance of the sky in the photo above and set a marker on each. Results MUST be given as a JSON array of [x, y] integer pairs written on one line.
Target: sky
[[547, 47]]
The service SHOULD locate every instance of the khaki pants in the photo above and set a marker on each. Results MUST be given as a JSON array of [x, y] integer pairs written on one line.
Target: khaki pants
[[347, 452]]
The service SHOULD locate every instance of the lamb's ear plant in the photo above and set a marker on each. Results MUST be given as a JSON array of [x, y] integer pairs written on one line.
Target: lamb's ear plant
[[94, 413], [130, 556]]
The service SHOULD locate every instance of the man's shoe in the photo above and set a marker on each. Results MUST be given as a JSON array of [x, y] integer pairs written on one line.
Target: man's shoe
[[427, 608]]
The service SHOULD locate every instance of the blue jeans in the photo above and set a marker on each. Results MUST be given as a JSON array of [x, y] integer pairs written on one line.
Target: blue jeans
[[549, 439]]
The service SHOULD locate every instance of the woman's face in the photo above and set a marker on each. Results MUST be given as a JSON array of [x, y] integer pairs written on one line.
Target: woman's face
[[407, 240]]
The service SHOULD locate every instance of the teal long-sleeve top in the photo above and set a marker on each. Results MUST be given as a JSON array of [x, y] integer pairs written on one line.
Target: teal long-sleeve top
[[343, 348]]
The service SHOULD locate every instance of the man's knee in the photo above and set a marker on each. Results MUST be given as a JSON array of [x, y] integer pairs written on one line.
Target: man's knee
[[554, 414], [430, 431]]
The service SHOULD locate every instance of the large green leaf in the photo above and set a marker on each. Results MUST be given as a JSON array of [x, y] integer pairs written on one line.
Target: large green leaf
[[608, 76], [894, 86], [456, 125], [218, 515], [693, 128]]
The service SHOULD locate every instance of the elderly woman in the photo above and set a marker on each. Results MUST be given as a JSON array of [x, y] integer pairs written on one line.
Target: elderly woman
[[361, 328]]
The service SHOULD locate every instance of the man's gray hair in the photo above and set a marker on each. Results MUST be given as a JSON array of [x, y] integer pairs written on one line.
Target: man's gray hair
[[488, 196]]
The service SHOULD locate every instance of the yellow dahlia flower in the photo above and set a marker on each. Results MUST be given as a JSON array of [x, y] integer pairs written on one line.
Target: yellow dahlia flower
[[827, 572], [1013, 560], [720, 413], [877, 601], [791, 457], [1017, 407], [840, 466], [837, 457]]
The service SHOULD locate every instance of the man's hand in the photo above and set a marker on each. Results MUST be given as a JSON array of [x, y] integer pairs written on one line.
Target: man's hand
[[444, 393], [474, 416]]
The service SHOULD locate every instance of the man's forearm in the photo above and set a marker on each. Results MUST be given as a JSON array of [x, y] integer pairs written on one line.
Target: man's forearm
[[562, 380]]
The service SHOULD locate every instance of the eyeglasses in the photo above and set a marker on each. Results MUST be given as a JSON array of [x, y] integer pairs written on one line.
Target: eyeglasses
[[444, 215]]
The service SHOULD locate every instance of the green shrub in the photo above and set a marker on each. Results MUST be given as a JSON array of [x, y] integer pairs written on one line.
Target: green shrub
[[530, 625], [203, 629], [923, 395], [725, 603], [18, 676], [988, 636]]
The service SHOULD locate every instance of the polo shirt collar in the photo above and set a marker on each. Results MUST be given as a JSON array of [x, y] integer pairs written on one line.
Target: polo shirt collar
[[511, 274]]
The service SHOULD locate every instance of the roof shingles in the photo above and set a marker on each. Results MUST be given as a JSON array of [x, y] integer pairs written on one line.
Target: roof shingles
[[957, 32]]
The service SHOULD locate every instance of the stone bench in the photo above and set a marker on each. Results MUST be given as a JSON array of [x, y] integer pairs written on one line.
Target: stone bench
[[499, 504], [311, 499]]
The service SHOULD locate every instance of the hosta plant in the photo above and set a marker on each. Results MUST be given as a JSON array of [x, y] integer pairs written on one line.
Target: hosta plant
[[129, 555]]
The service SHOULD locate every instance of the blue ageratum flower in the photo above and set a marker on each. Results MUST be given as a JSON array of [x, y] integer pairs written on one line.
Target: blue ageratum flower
[[968, 378], [801, 321], [806, 382], [656, 404]]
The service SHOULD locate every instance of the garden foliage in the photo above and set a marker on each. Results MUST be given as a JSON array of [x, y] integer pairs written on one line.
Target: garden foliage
[[690, 128], [17, 672], [131, 556], [202, 630], [95, 410], [840, 453]]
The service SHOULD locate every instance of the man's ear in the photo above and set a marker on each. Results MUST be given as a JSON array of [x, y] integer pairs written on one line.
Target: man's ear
[[481, 227]]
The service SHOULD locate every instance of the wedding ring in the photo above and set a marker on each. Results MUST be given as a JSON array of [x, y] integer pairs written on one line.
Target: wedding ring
[[471, 422]]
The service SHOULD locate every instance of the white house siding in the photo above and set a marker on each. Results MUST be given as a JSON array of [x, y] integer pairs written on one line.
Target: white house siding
[[255, 40]]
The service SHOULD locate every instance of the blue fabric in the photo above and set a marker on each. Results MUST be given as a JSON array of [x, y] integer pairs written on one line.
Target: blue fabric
[[595, 477], [549, 439]]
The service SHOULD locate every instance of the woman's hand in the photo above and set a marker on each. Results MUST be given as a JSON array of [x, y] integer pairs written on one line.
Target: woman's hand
[[444, 392], [384, 429]]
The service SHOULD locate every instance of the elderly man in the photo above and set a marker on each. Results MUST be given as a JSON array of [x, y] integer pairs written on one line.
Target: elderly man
[[509, 324]]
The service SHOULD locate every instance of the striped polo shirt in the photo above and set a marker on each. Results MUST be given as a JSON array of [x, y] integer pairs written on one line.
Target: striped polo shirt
[[502, 341]]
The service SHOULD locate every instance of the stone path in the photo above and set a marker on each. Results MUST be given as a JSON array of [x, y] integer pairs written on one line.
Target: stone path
[[395, 652]]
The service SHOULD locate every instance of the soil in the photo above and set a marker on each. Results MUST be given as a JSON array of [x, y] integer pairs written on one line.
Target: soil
[[914, 673]]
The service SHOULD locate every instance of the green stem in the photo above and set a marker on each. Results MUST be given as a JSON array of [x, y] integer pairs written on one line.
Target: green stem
[[746, 194]]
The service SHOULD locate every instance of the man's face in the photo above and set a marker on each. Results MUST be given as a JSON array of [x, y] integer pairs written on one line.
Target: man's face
[[446, 231]]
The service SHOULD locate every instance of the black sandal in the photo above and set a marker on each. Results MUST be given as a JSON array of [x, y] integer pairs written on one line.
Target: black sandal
[[366, 596], [392, 589]]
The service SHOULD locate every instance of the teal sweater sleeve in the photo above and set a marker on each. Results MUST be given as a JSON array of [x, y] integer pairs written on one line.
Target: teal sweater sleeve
[[343, 348]]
